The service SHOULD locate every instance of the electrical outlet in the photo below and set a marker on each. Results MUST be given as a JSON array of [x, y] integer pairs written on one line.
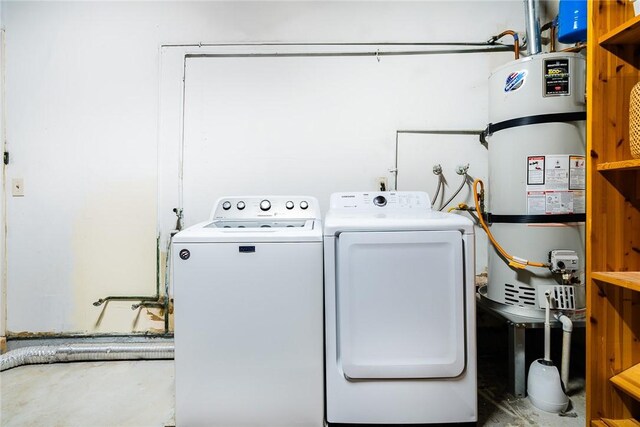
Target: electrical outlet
[[17, 187], [381, 184]]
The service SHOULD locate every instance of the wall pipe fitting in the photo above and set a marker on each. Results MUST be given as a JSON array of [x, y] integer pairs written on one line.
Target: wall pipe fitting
[[157, 300], [516, 41], [84, 353]]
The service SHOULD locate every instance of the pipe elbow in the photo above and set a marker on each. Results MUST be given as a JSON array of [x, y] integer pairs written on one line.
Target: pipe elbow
[[567, 324]]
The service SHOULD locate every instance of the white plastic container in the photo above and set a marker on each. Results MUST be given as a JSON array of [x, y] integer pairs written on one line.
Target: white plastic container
[[545, 389]]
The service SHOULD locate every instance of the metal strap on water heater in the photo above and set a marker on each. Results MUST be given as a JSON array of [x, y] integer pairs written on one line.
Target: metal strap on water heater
[[532, 120], [534, 219], [524, 121]]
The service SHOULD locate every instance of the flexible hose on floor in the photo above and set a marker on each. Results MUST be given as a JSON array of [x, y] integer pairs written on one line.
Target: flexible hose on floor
[[85, 352]]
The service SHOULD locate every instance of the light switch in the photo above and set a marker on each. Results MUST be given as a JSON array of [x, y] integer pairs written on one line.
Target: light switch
[[17, 187]]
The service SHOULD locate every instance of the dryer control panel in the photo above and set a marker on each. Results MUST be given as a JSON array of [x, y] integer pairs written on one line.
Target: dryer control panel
[[384, 200]]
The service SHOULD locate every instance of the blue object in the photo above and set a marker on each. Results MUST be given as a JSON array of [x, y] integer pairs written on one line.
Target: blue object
[[572, 21]]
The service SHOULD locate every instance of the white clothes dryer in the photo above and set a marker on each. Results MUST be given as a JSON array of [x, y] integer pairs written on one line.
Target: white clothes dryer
[[400, 318], [249, 315]]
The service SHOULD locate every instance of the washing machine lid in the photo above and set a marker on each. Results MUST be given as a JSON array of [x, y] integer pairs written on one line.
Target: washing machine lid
[[400, 304], [252, 230]]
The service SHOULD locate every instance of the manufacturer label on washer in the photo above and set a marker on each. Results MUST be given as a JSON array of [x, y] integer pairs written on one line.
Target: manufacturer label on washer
[[556, 77], [515, 81], [555, 184]]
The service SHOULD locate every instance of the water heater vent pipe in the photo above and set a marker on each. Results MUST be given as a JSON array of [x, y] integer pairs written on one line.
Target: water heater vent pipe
[[532, 22]]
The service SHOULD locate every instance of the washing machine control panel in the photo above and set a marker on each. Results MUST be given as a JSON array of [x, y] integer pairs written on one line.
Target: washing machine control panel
[[390, 200], [253, 207]]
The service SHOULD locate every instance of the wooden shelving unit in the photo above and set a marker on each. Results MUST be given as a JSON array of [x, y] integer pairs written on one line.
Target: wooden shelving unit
[[613, 218], [624, 279], [615, 423], [626, 33], [629, 381], [620, 165]]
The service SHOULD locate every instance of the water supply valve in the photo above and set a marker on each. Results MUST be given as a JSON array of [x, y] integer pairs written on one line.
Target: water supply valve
[[563, 261], [462, 169]]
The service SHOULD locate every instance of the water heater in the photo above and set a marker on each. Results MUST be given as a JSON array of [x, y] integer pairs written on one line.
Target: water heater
[[536, 190]]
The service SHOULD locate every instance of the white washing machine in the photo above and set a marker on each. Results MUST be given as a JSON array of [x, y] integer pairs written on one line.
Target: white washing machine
[[399, 311], [249, 315]]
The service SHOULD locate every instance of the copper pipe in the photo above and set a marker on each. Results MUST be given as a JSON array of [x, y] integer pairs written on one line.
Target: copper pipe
[[516, 41], [552, 37], [576, 48]]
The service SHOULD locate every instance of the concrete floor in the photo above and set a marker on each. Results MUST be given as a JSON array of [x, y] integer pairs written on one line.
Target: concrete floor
[[141, 394], [498, 407], [87, 394]]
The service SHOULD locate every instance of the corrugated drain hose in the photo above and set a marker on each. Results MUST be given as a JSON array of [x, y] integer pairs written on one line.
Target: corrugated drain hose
[[514, 261]]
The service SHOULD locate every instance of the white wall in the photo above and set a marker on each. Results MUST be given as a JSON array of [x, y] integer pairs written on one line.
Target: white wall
[[93, 110], [3, 281], [316, 125]]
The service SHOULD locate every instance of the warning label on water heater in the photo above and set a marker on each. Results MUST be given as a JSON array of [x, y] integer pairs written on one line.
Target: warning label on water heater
[[555, 184]]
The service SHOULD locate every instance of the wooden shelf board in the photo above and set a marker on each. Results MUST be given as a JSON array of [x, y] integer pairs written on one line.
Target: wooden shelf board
[[627, 33], [625, 279], [621, 165], [608, 422], [629, 381]]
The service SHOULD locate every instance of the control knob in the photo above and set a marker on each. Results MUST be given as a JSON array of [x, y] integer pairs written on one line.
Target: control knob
[[240, 205], [304, 205], [289, 205], [226, 205], [379, 201], [265, 205]]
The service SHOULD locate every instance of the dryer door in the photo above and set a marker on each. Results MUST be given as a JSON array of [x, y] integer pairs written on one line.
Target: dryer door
[[400, 304]]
